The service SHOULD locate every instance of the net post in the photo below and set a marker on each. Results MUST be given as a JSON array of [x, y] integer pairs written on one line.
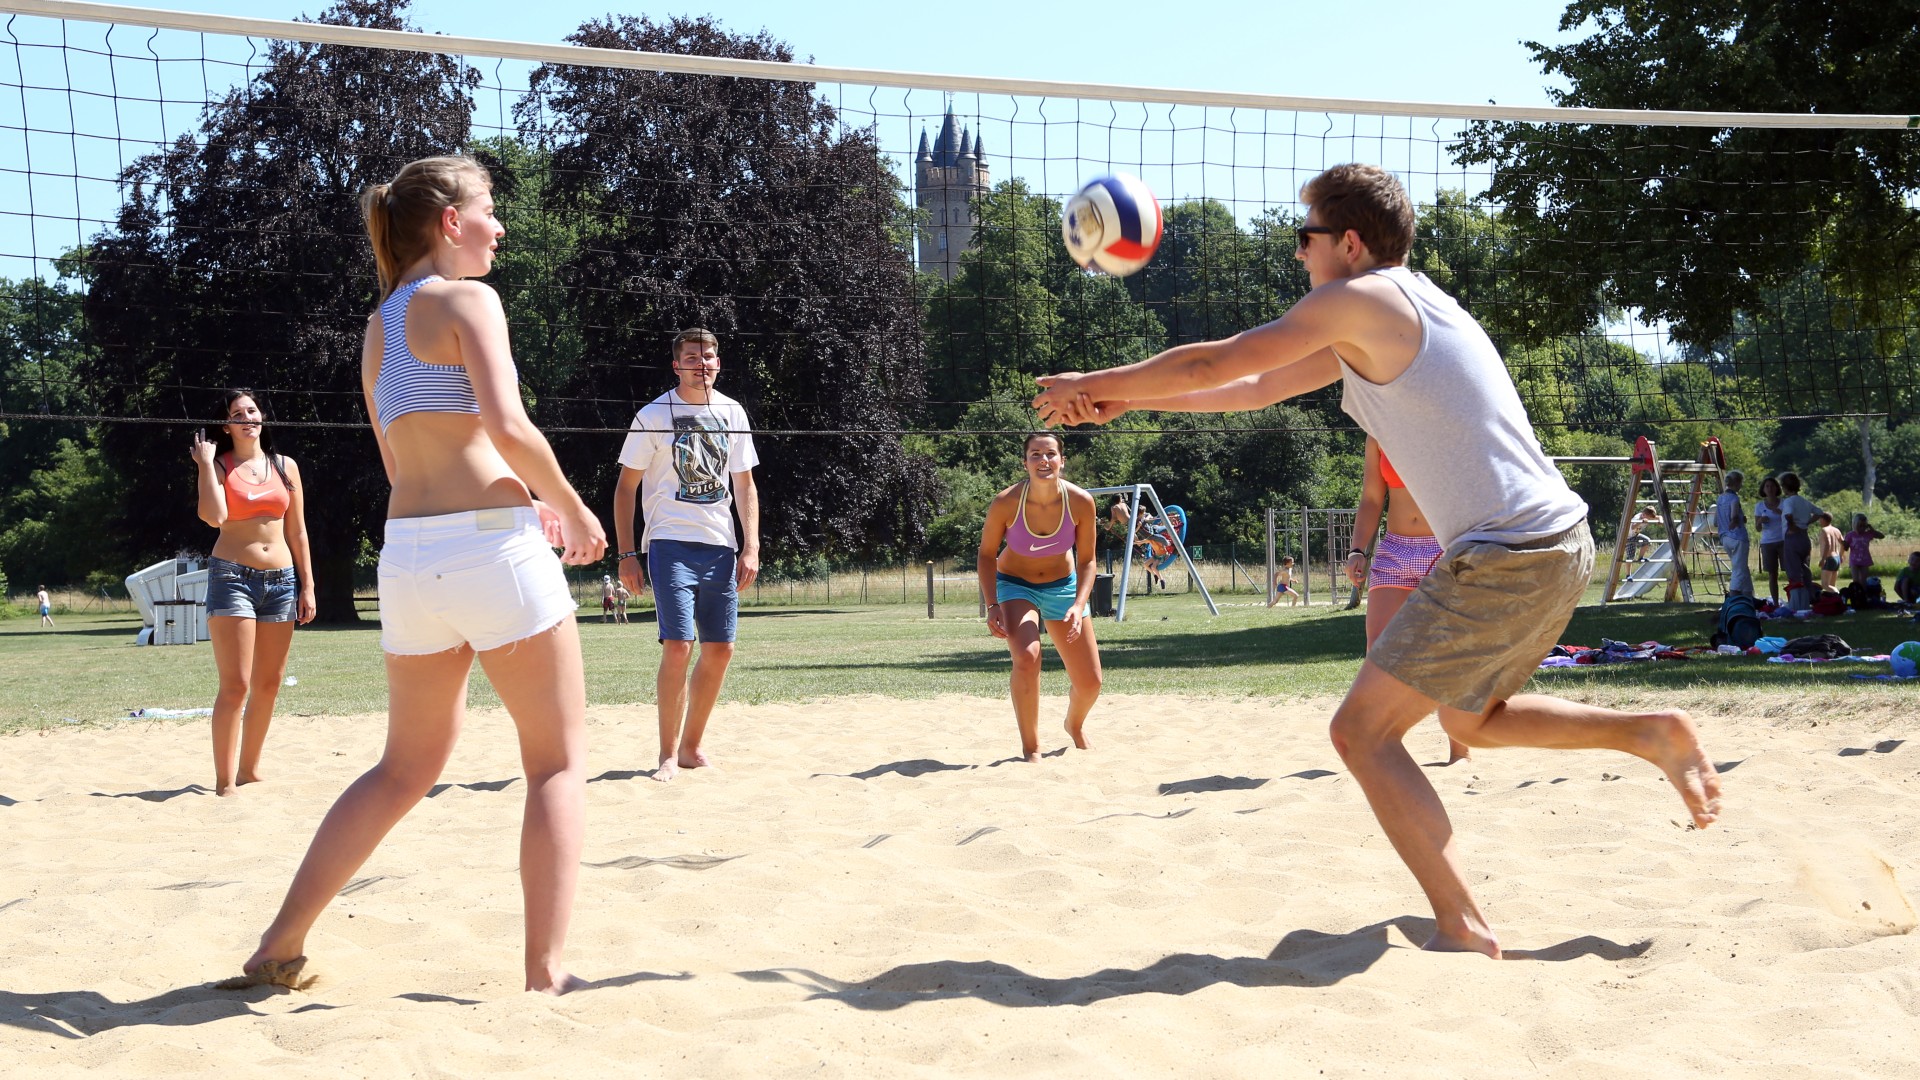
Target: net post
[[1266, 586]]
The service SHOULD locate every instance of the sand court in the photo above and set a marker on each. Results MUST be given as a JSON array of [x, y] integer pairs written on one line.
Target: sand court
[[868, 886]]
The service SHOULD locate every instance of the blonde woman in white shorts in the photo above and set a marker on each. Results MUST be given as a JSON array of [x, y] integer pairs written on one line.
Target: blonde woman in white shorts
[[467, 569]]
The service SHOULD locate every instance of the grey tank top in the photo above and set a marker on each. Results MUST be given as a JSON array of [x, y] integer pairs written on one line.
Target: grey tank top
[[1457, 433]]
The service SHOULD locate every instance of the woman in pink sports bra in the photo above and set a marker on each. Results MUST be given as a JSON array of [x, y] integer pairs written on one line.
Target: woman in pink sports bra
[[1036, 561], [1405, 554]]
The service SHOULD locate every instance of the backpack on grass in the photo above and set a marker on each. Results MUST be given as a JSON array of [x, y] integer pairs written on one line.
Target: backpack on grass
[[1739, 624]]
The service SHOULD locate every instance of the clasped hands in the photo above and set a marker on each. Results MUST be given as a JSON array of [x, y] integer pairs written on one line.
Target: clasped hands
[[1061, 403]]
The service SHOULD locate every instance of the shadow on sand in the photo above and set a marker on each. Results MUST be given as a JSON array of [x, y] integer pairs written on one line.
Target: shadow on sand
[[1304, 958]]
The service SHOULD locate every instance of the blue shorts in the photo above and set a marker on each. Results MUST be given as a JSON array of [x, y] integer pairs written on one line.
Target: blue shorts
[[1053, 598], [693, 589], [247, 593]]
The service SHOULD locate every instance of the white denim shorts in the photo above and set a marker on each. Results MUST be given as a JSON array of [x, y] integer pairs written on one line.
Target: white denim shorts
[[484, 578]]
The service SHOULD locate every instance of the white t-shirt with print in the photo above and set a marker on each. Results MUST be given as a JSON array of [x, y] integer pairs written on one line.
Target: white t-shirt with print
[[689, 454]]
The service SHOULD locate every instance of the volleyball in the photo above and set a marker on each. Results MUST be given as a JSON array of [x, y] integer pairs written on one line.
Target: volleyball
[[1112, 225]]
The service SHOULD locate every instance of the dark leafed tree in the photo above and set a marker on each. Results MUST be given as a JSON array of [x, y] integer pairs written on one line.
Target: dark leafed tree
[[743, 206], [239, 258], [1693, 225]]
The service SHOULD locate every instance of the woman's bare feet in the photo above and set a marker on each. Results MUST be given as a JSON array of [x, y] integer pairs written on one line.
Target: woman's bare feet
[[556, 983], [694, 759], [225, 789], [667, 769], [248, 778], [1076, 731]]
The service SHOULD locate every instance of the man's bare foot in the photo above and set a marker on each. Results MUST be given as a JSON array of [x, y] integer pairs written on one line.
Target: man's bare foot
[[1077, 734], [1674, 744], [667, 769], [697, 759], [1470, 936], [556, 984]]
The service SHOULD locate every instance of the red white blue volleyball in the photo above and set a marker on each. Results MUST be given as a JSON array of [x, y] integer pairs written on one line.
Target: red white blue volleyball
[[1112, 225]]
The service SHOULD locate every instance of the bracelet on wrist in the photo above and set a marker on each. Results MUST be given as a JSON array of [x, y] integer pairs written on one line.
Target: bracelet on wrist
[[625, 555]]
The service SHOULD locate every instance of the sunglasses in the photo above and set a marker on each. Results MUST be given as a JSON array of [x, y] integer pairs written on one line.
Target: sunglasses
[[1305, 233]]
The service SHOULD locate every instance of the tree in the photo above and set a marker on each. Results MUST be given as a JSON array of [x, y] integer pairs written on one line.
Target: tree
[[1209, 280], [1019, 307], [42, 342], [742, 205], [1692, 225], [238, 258]]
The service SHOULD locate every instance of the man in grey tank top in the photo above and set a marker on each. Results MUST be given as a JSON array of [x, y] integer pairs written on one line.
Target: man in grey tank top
[[1422, 377]]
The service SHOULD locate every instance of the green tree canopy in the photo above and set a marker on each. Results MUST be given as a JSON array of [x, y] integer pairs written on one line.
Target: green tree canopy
[[1691, 225], [743, 206], [239, 259]]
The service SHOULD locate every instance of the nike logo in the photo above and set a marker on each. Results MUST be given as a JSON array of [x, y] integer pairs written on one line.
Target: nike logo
[[1037, 548], [255, 496]]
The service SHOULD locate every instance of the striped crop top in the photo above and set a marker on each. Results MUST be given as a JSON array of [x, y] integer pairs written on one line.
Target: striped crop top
[[408, 385]]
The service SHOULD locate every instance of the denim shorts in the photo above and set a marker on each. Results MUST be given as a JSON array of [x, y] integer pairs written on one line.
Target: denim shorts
[[694, 590], [1053, 599], [247, 593], [483, 578]]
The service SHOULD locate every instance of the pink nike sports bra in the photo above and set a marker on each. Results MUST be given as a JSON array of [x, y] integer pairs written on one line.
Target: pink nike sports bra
[[1022, 541]]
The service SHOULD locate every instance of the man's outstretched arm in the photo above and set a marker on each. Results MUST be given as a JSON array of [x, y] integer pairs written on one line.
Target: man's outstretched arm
[[1241, 395], [1308, 329]]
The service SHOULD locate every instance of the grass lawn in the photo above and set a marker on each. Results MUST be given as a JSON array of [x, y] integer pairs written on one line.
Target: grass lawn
[[89, 671]]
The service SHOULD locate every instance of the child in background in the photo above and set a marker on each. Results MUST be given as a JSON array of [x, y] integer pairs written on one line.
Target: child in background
[[1856, 543], [1283, 584]]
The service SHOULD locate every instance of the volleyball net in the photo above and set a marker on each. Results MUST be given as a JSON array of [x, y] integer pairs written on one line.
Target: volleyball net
[[879, 251]]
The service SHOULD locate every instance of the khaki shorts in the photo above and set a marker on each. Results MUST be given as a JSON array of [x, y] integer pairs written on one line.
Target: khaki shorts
[[1476, 629]]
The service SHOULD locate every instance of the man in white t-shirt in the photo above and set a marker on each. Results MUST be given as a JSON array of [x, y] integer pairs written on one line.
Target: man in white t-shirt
[[690, 456]]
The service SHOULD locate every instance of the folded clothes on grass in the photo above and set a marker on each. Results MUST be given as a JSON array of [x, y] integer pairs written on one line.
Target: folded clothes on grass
[[1617, 652]]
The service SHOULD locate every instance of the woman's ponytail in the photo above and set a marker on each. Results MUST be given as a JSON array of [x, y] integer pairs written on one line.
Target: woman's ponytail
[[402, 216]]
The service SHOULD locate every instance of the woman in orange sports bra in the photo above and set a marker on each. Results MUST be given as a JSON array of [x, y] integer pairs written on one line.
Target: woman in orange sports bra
[[259, 581], [1408, 551]]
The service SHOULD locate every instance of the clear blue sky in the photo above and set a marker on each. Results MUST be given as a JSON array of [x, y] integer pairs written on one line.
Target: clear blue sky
[[1406, 50], [1399, 50]]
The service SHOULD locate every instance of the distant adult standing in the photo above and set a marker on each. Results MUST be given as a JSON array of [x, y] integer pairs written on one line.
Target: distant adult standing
[[1036, 561], [1772, 521], [1832, 546], [1796, 553], [46, 607], [606, 598], [259, 580], [1730, 523], [690, 457]]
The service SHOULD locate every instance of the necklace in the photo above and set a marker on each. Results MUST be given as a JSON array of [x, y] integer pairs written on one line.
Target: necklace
[[259, 475]]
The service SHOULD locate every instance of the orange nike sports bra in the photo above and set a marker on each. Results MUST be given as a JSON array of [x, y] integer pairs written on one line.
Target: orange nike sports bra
[[1386, 473], [246, 499]]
